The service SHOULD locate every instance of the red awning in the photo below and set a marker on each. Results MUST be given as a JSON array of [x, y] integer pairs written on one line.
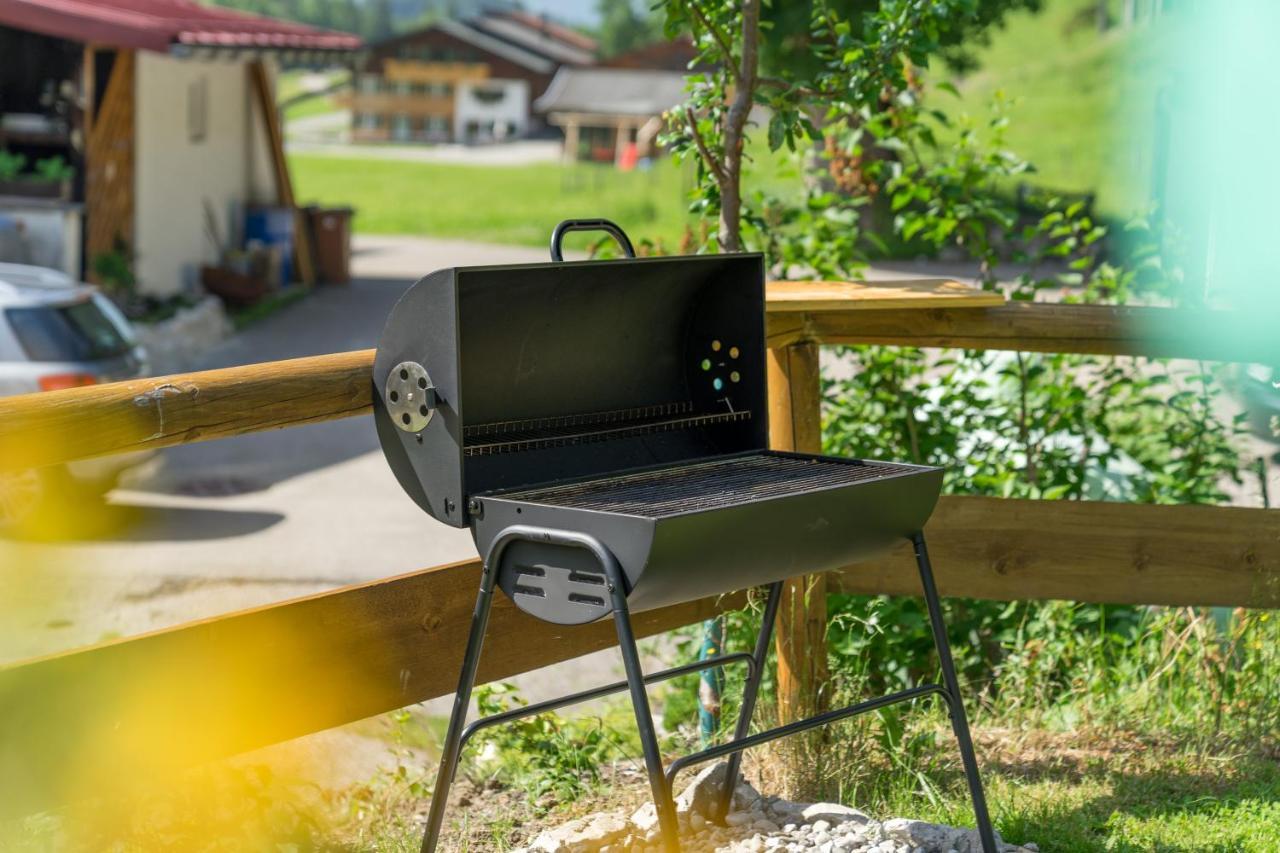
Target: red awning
[[160, 24]]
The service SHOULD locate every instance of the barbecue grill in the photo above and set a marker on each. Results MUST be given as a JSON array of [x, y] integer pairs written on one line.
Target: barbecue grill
[[601, 427]]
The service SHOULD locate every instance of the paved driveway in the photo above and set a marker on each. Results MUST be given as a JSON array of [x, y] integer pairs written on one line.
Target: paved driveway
[[240, 522], [236, 523]]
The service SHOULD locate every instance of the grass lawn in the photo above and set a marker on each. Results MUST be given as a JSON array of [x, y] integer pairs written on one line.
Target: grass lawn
[[497, 204], [518, 204], [1082, 101]]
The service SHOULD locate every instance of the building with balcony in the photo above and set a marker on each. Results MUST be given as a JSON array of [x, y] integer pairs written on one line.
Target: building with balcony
[[470, 81]]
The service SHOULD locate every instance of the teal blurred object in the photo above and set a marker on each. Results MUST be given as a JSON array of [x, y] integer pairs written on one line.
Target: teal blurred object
[[710, 682], [1215, 180]]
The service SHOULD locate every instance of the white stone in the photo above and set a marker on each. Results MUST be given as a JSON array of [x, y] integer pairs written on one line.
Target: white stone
[[968, 841], [703, 792], [833, 813], [821, 825], [585, 833], [645, 818], [696, 821]]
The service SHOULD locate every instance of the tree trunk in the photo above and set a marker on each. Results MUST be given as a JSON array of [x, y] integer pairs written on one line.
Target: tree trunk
[[730, 236]]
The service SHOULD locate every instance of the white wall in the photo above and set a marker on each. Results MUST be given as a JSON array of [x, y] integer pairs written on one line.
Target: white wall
[[230, 166], [513, 108]]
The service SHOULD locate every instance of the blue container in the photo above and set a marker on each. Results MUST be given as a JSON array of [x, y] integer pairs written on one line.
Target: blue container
[[272, 226]]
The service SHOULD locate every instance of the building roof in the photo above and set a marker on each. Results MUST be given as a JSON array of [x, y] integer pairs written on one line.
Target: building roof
[[669, 55], [582, 41], [482, 40], [612, 91], [160, 25], [530, 33]]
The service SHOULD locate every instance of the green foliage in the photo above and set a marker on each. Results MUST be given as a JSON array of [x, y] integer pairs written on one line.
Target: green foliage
[[54, 170], [114, 269], [548, 756], [11, 165], [625, 25], [889, 168]]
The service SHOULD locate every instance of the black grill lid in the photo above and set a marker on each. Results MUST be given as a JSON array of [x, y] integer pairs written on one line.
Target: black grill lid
[[514, 376]]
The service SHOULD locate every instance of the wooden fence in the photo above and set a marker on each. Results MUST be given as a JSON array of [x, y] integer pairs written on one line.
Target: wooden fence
[[242, 680]]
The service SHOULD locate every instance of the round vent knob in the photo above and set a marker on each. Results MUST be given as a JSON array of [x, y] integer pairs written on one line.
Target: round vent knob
[[410, 397]]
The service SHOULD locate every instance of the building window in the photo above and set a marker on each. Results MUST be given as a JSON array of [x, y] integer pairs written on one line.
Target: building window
[[369, 84], [400, 127], [403, 87], [198, 109], [446, 89], [488, 96], [368, 121]]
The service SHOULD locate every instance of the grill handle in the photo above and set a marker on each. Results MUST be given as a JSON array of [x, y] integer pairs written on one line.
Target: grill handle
[[610, 228]]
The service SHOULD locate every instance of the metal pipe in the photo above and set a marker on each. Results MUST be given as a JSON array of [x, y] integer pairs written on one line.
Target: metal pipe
[[452, 746], [749, 692], [603, 690], [959, 722], [658, 783], [801, 726]]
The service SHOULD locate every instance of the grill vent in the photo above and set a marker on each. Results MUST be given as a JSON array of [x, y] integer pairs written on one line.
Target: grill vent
[[567, 430], [709, 485]]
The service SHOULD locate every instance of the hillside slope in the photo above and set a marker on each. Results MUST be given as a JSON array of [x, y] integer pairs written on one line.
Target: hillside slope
[[1081, 101]]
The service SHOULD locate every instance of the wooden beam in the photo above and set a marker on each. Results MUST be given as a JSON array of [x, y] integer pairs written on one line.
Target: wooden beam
[[85, 722], [110, 149], [795, 397], [1054, 327], [141, 414], [44, 429], [91, 720], [260, 81], [916, 293], [1114, 553]]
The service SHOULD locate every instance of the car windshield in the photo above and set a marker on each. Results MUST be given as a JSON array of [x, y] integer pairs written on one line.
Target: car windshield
[[81, 331]]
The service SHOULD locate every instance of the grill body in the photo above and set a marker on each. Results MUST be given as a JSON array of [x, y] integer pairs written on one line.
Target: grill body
[[602, 429], [624, 400], [688, 531]]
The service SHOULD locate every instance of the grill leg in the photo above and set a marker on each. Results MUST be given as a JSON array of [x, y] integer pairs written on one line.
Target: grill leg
[[749, 692], [955, 704], [640, 702], [461, 701]]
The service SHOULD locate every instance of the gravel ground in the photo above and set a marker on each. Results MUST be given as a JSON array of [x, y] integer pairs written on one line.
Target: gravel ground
[[757, 824]]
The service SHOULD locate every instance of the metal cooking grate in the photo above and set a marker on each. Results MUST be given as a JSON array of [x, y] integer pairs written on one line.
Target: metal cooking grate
[[709, 485], [538, 433]]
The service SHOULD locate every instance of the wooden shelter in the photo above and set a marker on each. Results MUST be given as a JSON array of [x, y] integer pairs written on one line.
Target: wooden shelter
[[165, 109]]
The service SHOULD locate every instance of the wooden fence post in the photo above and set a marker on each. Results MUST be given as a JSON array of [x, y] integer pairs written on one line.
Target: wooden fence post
[[795, 423]]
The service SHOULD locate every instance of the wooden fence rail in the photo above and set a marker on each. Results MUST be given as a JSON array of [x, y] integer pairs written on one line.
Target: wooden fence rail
[[43, 429], [143, 706]]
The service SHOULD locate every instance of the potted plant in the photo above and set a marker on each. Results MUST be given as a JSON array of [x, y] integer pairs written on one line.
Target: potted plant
[[11, 166], [51, 177]]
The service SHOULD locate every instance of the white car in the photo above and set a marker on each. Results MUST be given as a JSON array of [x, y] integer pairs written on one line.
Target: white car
[[58, 333]]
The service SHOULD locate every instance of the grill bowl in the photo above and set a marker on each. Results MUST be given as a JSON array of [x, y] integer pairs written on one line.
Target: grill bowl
[[688, 531]]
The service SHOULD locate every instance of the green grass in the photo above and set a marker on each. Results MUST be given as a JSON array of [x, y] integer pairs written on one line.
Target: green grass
[[518, 205], [497, 204], [1082, 101], [1087, 790]]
